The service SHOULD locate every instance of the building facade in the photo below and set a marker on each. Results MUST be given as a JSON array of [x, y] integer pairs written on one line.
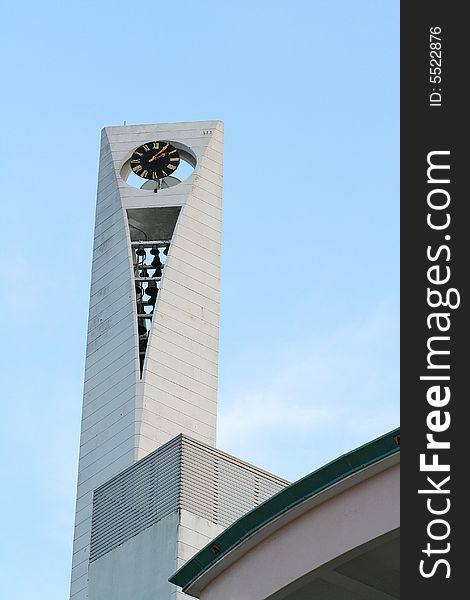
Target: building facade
[[332, 535], [150, 393]]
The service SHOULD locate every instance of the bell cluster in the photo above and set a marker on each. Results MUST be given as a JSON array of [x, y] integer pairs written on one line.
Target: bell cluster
[[149, 261]]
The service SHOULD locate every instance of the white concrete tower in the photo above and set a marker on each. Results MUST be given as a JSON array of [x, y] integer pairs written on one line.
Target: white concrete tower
[[151, 358]]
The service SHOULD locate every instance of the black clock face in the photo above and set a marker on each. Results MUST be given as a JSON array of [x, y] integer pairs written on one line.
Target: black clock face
[[155, 160]]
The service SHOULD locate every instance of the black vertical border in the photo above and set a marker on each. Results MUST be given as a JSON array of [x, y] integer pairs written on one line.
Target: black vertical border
[[426, 128]]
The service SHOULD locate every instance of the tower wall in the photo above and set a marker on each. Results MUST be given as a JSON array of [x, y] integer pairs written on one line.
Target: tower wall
[[129, 411]]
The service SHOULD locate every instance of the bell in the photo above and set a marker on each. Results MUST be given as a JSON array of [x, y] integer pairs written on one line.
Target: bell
[[156, 262], [157, 265], [152, 290], [144, 273], [166, 249], [153, 296]]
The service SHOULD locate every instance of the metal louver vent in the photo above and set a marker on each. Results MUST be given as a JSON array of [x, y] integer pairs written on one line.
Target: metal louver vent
[[135, 499], [182, 474], [219, 487]]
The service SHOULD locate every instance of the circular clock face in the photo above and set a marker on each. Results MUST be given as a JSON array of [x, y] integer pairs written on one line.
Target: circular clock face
[[155, 160]]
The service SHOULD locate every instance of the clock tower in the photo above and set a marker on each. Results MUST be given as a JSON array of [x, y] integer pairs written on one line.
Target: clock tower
[[152, 488]]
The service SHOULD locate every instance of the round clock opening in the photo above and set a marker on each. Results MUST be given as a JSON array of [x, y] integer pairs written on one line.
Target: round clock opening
[[158, 165]]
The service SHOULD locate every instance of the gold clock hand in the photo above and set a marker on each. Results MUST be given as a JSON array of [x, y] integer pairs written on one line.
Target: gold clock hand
[[155, 156]]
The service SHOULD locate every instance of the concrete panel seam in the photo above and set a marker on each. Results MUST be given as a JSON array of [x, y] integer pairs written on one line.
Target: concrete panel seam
[[128, 350], [216, 231], [115, 290], [113, 449], [84, 481], [195, 205], [148, 409], [165, 366], [196, 304], [217, 195], [116, 369], [192, 322], [89, 392], [115, 272], [176, 259], [199, 435], [188, 363], [132, 385], [171, 331], [120, 224], [176, 244], [184, 387], [129, 339], [108, 439], [95, 339], [168, 276], [214, 362]]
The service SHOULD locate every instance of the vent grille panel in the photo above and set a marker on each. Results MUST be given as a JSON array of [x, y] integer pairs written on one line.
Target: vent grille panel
[[135, 499], [182, 474], [221, 488]]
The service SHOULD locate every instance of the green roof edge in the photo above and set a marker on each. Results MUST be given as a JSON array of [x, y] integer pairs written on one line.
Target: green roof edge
[[346, 465]]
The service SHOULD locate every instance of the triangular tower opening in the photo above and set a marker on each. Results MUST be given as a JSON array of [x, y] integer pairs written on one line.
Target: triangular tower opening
[[151, 231]]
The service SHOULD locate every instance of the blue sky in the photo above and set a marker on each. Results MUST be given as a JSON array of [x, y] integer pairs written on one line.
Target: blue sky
[[308, 91]]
